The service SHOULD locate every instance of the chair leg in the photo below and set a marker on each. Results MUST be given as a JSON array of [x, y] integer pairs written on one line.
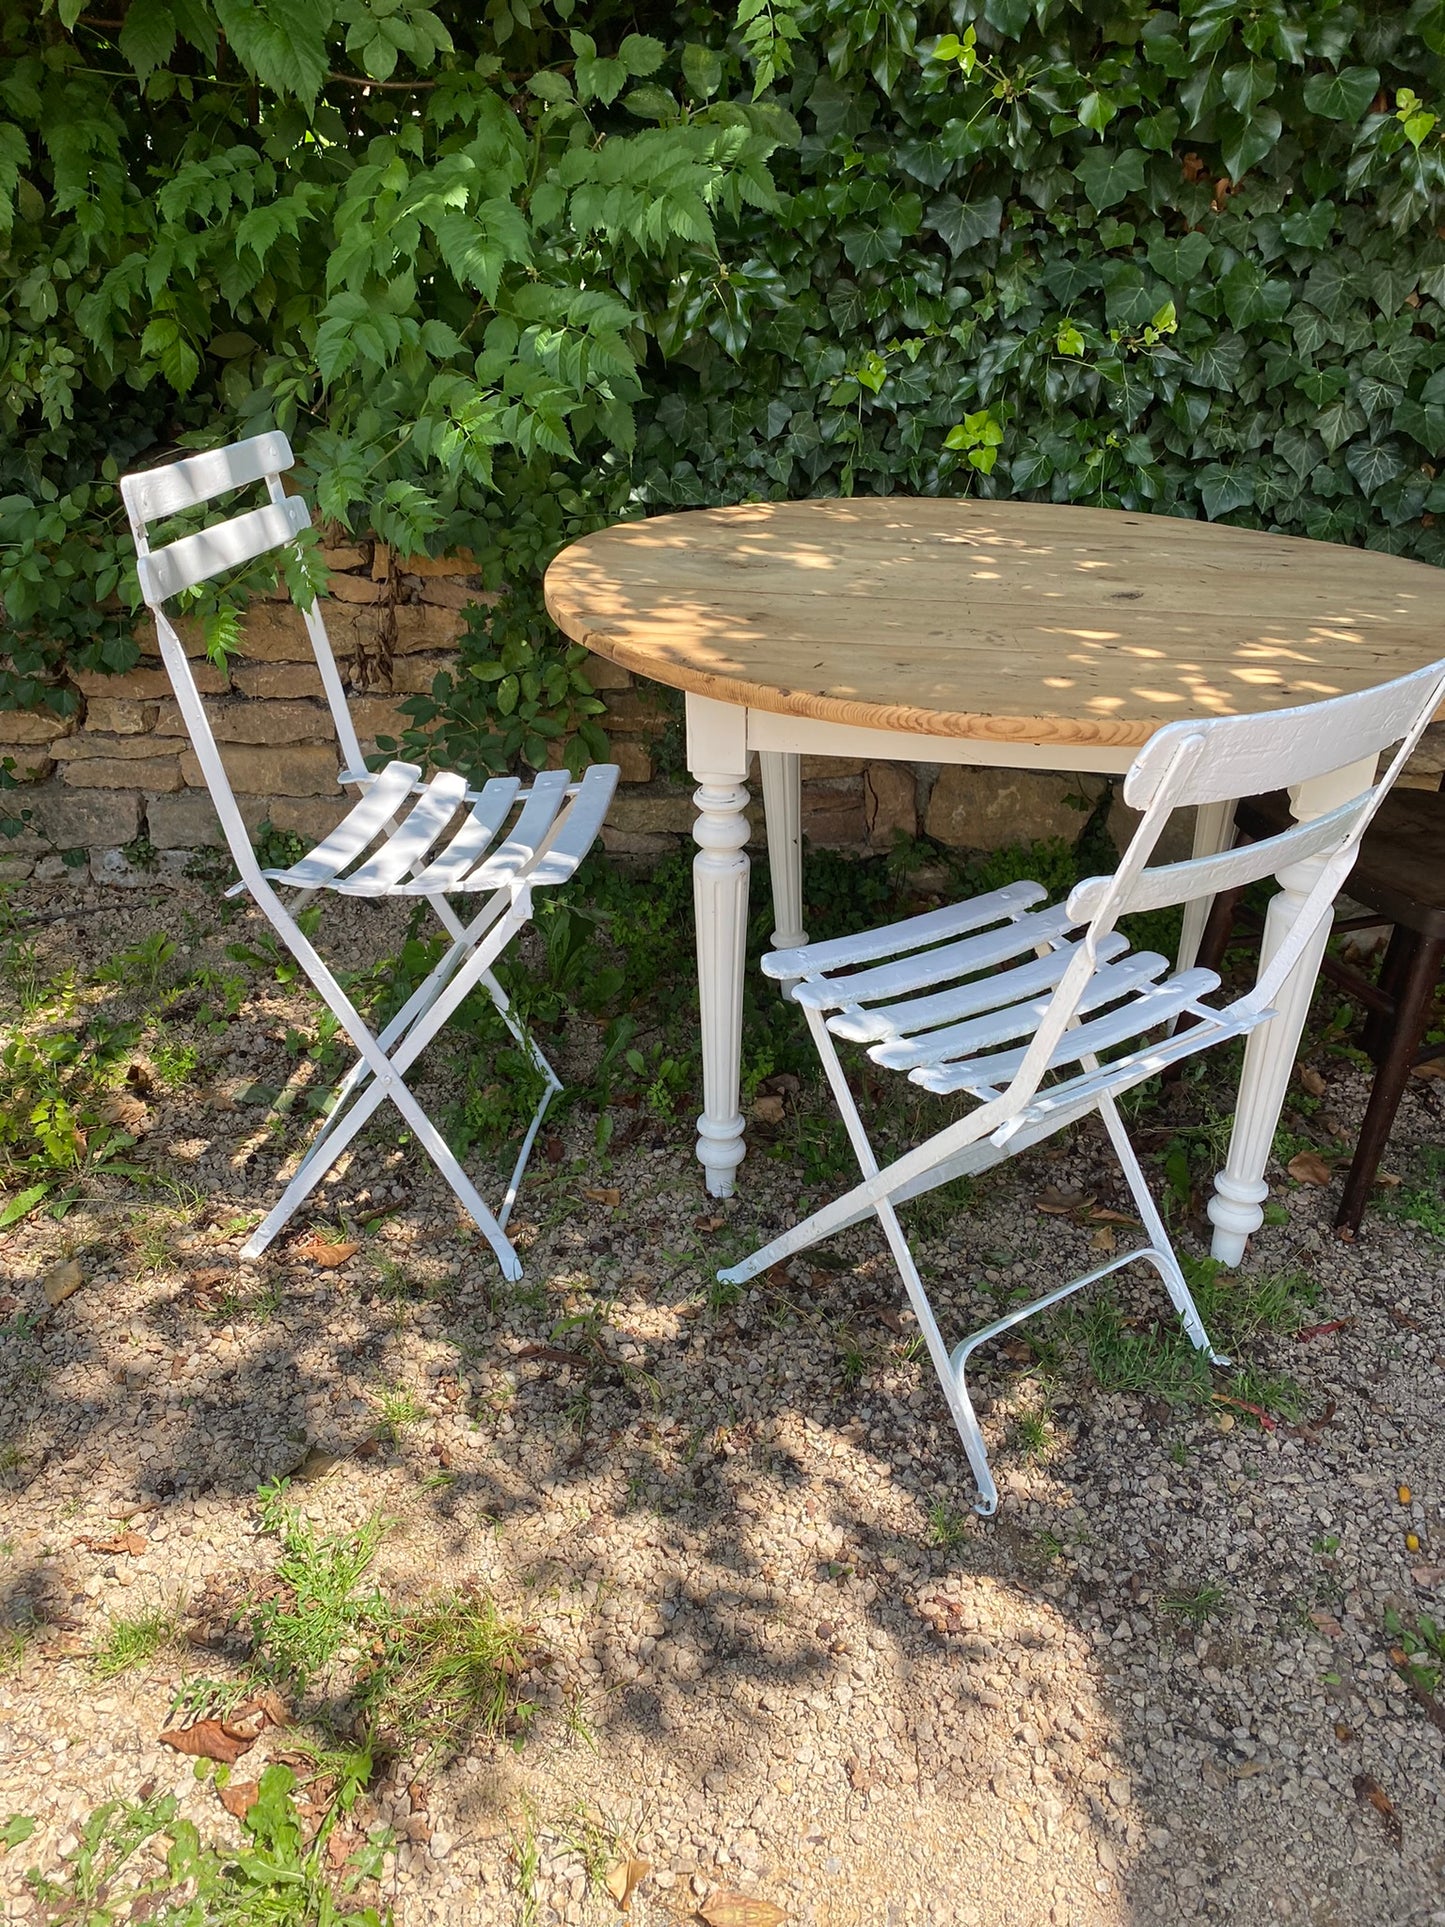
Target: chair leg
[[1379, 1026], [1419, 974]]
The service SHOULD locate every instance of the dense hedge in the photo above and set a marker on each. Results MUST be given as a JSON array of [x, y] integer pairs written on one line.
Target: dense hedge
[[503, 278]]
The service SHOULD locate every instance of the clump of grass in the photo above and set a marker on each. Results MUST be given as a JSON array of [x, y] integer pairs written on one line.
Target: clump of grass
[[1031, 1435], [130, 1643], [947, 1526], [397, 1409], [1194, 1605], [316, 1610], [446, 1672]]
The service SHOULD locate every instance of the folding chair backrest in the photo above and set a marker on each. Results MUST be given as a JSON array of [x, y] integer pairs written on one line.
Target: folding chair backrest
[[1224, 759], [229, 543]]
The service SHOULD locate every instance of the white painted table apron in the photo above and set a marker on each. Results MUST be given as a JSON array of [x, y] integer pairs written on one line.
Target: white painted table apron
[[722, 739]]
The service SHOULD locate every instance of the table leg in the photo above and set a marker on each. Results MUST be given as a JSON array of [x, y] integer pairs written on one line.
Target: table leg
[[717, 756], [783, 803], [1213, 832], [1236, 1209]]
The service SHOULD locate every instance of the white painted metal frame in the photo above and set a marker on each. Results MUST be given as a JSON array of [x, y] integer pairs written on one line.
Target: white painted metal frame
[[946, 999], [404, 836]]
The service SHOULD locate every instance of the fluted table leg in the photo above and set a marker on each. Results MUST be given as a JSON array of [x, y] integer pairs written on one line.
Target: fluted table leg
[[1237, 1208], [718, 760], [782, 801]]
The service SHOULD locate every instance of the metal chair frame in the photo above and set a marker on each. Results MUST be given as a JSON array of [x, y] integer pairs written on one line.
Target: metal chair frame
[[375, 851], [882, 990]]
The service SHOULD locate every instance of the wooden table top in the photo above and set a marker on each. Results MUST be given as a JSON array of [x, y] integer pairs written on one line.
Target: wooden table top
[[997, 621]]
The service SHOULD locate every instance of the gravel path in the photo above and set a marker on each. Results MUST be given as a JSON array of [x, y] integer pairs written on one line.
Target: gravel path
[[775, 1651]]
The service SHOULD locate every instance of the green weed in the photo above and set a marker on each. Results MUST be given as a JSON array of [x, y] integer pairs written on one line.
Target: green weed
[[947, 1526], [129, 1643], [1194, 1605]]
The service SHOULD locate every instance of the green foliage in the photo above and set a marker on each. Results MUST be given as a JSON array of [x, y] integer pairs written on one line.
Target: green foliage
[[503, 279]]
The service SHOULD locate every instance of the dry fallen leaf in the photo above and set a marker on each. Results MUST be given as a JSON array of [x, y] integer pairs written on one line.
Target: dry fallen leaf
[[318, 1464], [739, 1910], [768, 1110], [1370, 1793], [1308, 1167], [129, 1112], [1327, 1624], [139, 1079], [209, 1740], [607, 1194], [131, 1542], [1101, 1214], [239, 1797], [1427, 1575], [1062, 1204], [624, 1878], [328, 1257], [1434, 1068], [1105, 1239], [1312, 1081], [61, 1281], [708, 1224]]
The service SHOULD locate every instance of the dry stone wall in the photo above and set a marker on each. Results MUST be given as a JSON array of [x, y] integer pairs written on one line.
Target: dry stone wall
[[116, 790]]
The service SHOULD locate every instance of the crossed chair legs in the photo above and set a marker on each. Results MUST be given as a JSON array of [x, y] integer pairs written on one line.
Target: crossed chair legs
[[951, 1366], [382, 1060]]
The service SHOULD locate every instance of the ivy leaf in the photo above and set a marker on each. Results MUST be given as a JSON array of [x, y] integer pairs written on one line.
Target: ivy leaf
[[1158, 131], [1223, 490], [1179, 262], [1107, 175], [283, 42], [1311, 229], [1373, 464], [1217, 363], [147, 36], [1337, 422], [1249, 295], [961, 225], [1342, 96], [1244, 142]]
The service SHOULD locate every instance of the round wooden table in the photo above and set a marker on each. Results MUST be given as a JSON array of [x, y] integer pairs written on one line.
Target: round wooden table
[[1016, 634]]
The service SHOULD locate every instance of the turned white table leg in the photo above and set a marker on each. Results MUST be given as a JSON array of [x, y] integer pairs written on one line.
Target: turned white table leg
[[1236, 1209], [783, 805], [718, 759], [1213, 832]]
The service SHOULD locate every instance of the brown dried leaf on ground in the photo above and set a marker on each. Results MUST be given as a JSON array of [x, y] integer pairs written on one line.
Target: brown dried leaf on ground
[[131, 1542], [1062, 1204], [1310, 1078], [209, 1740], [328, 1257], [61, 1281], [723, 1909], [624, 1878], [603, 1194], [129, 1112], [239, 1797], [769, 1109], [1308, 1167], [1370, 1793]]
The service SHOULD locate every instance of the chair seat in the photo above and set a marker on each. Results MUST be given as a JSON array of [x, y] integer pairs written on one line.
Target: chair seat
[[953, 998], [1400, 870], [440, 845]]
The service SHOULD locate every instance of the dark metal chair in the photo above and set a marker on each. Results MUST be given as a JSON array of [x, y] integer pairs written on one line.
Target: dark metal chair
[[1399, 877]]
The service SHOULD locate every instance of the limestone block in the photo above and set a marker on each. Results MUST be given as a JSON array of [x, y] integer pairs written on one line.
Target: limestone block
[[462, 563], [833, 816], [376, 716], [604, 675], [30, 764], [116, 773], [115, 868], [244, 721], [344, 556], [355, 588], [414, 675], [184, 821], [821, 768], [1428, 756], [120, 717], [90, 744], [636, 843], [634, 761], [15, 869], [307, 816], [278, 680], [275, 632], [654, 815], [1417, 780], [147, 683], [35, 726], [66, 819], [421, 626], [455, 592], [635, 711], [293, 769], [1176, 844], [986, 809], [890, 802]]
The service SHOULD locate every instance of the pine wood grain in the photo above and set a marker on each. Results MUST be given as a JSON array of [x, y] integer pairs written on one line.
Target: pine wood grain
[[998, 621]]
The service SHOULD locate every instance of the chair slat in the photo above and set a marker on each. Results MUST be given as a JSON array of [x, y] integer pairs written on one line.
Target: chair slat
[[359, 827], [489, 813], [911, 933], [1209, 876], [156, 493], [914, 1014], [410, 841], [225, 545], [923, 967], [580, 827], [528, 833], [1017, 1020], [1156, 1006]]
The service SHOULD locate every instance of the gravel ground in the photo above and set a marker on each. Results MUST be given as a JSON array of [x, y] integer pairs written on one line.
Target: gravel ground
[[755, 1662]]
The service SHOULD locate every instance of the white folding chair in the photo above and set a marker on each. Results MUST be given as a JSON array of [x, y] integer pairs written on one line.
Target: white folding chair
[[405, 836], [1012, 1005]]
